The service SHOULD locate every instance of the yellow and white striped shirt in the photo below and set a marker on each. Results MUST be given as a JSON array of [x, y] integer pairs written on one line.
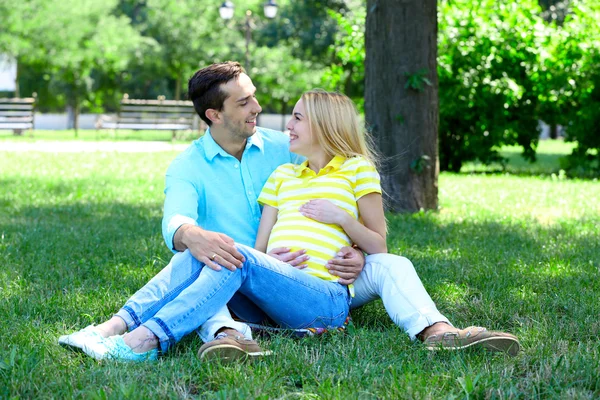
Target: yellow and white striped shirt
[[342, 181]]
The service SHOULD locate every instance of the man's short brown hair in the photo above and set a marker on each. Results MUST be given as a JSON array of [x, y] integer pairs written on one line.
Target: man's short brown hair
[[204, 88]]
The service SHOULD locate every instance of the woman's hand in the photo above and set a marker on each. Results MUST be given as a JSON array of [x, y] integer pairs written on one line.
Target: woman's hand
[[296, 259], [324, 211]]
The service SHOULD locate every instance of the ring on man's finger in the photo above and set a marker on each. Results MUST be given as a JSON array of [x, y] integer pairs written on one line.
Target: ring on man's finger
[[213, 257]]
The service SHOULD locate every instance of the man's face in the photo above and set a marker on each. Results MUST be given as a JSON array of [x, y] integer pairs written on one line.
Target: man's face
[[241, 108]]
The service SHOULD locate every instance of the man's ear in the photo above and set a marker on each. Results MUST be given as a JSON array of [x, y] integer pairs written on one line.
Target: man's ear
[[213, 115]]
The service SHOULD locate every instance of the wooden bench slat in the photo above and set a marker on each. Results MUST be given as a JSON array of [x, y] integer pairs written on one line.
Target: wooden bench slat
[[156, 109], [13, 126], [28, 100], [160, 127], [15, 114], [156, 115], [10, 107], [158, 120], [28, 118], [158, 102]]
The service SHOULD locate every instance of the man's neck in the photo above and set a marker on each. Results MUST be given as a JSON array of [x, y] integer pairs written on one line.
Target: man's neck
[[232, 144]]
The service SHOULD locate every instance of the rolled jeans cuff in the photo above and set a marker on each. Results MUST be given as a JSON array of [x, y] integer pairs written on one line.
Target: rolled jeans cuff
[[209, 329], [127, 315]]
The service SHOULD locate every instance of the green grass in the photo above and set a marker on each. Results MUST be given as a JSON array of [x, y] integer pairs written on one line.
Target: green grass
[[98, 135], [549, 153], [79, 233]]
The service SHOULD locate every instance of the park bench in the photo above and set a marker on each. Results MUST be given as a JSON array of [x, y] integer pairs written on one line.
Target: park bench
[[160, 114], [17, 114]]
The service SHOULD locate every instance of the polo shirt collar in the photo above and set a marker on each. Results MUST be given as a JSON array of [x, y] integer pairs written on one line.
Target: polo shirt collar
[[212, 148], [333, 165]]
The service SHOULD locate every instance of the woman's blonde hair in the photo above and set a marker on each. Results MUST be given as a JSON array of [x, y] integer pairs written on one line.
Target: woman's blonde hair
[[334, 119]]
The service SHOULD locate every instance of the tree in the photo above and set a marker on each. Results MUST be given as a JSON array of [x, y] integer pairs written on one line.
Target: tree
[[401, 100], [72, 40], [189, 36], [490, 79], [18, 20], [281, 79]]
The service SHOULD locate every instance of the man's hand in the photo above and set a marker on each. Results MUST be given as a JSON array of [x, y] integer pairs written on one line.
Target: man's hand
[[212, 248], [295, 259], [323, 211], [348, 264]]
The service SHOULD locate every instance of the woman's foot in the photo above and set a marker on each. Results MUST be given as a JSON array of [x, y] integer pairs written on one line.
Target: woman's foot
[[118, 350], [87, 340], [141, 340], [112, 327]]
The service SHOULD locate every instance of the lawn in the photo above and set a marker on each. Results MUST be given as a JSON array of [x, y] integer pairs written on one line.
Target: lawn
[[518, 251], [98, 135]]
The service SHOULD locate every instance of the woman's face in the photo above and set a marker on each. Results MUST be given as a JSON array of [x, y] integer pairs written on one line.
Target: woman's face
[[302, 142]]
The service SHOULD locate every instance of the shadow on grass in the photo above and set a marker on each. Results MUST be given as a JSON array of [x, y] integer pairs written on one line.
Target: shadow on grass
[[549, 159], [546, 164], [499, 275]]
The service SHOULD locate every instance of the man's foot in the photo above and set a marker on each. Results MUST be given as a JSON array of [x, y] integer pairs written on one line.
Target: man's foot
[[88, 340], [473, 336], [118, 350], [229, 346]]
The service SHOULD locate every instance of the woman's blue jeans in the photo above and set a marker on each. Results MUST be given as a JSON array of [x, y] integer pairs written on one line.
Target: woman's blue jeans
[[184, 295]]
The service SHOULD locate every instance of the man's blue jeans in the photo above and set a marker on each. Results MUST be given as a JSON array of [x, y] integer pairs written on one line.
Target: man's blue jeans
[[184, 295]]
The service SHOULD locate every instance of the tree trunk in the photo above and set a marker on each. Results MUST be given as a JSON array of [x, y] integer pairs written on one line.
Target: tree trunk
[[401, 99], [283, 114], [17, 90], [73, 110], [553, 131], [178, 86], [76, 112]]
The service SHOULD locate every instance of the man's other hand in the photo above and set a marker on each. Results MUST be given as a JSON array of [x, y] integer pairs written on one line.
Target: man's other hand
[[348, 264], [296, 259], [212, 248]]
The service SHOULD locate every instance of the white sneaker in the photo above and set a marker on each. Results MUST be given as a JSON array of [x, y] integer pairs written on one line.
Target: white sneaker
[[88, 340]]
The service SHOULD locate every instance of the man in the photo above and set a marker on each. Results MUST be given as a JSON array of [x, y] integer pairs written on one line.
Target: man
[[211, 202]]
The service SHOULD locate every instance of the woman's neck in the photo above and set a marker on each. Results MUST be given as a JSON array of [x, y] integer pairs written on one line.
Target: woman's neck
[[317, 162]]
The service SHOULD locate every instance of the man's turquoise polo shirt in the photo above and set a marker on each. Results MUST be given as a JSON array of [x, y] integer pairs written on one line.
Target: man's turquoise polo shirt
[[208, 187]]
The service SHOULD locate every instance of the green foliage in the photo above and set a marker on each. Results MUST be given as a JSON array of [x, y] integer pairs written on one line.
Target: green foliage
[[577, 66], [71, 42], [347, 72], [501, 69], [306, 27], [488, 61], [188, 37], [417, 81], [159, 44], [280, 78]]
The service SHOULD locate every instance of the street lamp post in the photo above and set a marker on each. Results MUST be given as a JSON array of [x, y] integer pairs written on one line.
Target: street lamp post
[[226, 11]]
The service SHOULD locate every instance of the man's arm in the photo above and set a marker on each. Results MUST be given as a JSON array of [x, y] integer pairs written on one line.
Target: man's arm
[[180, 227], [348, 264]]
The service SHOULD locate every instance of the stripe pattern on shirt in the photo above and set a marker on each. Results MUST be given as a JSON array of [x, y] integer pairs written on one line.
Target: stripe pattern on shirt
[[342, 181]]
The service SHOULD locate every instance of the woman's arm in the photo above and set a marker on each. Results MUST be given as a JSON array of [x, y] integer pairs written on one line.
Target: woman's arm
[[370, 235], [267, 221]]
